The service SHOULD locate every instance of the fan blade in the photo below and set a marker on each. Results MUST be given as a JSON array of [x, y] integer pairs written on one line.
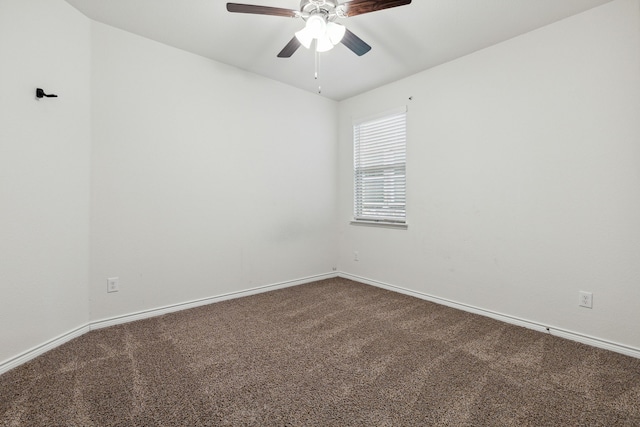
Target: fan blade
[[358, 7], [290, 48], [261, 10], [355, 43]]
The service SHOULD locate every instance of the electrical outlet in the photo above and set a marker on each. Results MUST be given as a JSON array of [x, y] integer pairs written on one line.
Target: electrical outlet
[[356, 256], [113, 284], [586, 299]]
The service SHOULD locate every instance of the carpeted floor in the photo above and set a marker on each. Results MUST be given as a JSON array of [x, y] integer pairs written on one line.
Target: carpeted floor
[[330, 353]]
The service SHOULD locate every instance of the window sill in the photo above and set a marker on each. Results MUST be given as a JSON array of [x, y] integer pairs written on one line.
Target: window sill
[[397, 225]]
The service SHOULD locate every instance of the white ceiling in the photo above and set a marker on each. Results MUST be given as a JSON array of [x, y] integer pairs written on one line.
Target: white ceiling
[[405, 39]]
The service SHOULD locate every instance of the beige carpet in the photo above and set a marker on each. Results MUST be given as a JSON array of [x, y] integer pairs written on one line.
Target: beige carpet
[[330, 353]]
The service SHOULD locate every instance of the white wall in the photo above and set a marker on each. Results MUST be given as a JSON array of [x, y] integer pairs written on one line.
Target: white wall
[[523, 178], [205, 179], [44, 173]]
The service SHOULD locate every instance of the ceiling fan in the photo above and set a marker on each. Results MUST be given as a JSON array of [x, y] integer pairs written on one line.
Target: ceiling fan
[[320, 17]]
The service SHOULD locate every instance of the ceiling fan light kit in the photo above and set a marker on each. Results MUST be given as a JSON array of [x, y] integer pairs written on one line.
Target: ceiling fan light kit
[[327, 34]]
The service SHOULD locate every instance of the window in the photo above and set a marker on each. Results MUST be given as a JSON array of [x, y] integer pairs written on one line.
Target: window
[[380, 168]]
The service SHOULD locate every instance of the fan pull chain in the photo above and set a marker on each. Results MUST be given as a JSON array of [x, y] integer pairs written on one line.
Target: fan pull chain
[[317, 70]]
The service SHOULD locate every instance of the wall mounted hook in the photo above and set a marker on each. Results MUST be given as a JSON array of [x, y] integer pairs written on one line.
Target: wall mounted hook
[[40, 93]]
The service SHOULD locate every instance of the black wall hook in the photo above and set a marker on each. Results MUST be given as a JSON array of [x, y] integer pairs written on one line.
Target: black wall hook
[[40, 93]]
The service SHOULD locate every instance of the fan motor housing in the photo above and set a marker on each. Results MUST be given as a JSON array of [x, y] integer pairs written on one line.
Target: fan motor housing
[[322, 7]]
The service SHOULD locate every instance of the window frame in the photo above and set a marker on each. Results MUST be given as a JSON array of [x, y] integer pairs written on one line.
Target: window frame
[[396, 181]]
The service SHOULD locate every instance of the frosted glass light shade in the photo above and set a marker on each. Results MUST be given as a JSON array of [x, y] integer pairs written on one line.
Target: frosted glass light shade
[[304, 37], [323, 44], [335, 32]]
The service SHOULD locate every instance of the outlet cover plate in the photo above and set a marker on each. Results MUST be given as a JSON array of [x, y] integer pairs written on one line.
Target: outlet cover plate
[[113, 284], [586, 299]]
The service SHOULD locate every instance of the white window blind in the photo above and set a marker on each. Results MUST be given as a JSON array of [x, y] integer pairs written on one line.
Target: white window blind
[[379, 167]]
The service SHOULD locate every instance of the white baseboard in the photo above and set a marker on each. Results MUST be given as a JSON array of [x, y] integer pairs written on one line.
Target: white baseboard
[[36, 351], [32, 353], [563, 333], [117, 320]]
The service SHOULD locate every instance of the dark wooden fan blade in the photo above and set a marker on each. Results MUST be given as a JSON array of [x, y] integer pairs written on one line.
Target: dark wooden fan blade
[[261, 10], [355, 43], [358, 7], [290, 48]]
